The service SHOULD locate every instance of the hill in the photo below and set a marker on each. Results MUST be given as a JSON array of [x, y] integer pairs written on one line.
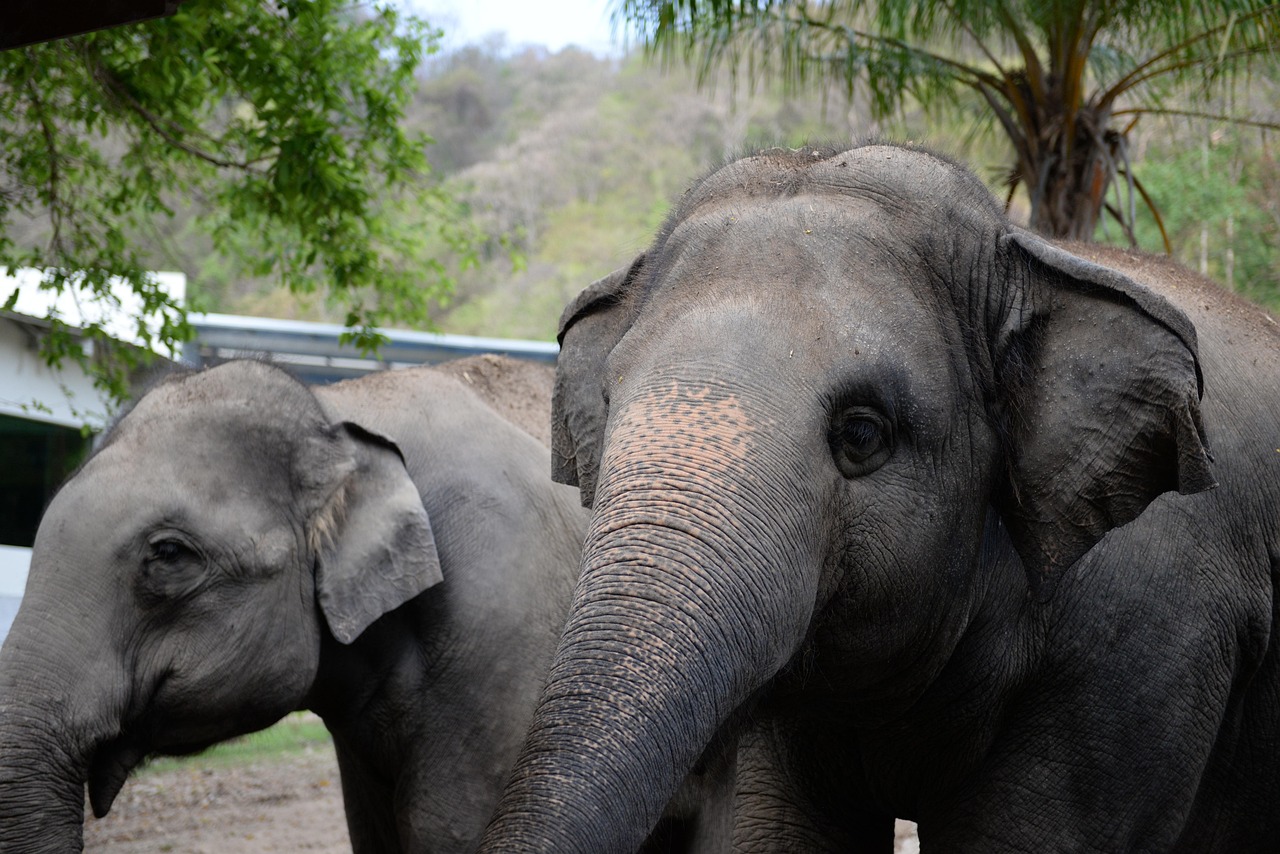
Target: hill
[[569, 161]]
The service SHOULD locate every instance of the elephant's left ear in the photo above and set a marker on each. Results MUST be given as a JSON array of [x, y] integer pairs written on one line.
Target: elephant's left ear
[[369, 531], [1101, 393], [590, 327]]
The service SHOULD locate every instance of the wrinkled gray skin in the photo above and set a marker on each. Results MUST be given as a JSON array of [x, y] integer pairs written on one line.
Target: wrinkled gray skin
[[388, 552], [862, 456]]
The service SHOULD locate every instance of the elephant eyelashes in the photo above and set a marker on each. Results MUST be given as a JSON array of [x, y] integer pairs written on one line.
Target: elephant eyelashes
[[860, 441], [171, 567], [168, 550]]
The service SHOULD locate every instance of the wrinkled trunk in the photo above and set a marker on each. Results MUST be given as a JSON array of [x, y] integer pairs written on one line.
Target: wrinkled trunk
[[41, 775], [59, 703], [698, 583]]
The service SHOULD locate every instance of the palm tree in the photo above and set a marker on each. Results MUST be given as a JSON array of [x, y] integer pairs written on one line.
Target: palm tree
[[1066, 80]]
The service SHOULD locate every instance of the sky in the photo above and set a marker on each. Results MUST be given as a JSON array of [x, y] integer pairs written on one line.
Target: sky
[[554, 25]]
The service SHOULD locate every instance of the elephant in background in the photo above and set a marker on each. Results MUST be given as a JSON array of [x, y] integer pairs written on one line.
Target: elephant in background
[[916, 513], [388, 552]]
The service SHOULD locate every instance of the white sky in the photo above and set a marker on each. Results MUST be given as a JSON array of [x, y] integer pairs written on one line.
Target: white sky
[[584, 23]]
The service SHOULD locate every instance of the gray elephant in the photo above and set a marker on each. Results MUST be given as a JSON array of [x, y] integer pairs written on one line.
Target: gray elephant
[[916, 509], [388, 552]]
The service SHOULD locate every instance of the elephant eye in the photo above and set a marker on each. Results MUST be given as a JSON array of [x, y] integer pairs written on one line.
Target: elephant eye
[[171, 566], [860, 441], [169, 550]]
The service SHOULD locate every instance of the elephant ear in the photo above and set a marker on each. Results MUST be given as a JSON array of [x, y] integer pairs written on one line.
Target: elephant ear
[[368, 530], [590, 327], [1100, 386]]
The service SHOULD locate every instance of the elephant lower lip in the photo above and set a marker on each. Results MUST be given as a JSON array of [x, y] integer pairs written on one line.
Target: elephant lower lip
[[108, 770]]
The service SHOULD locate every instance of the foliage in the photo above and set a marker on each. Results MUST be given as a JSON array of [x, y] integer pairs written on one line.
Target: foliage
[[1220, 195], [577, 159], [272, 126], [299, 732], [1066, 80]]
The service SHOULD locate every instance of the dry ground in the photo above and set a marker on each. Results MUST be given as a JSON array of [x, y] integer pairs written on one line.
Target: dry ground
[[290, 803]]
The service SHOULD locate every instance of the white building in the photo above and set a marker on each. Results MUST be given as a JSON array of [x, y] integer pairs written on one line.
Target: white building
[[47, 416], [42, 416]]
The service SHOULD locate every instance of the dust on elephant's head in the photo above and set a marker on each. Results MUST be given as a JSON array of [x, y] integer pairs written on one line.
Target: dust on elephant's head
[[182, 579]]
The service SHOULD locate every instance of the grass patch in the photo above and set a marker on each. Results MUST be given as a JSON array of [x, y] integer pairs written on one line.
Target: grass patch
[[300, 732]]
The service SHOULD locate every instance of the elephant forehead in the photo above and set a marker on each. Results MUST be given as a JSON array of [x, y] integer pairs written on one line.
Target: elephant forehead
[[207, 480], [110, 508], [792, 236], [202, 456], [209, 427], [189, 470], [107, 506], [686, 451], [792, 344], [836, 258]]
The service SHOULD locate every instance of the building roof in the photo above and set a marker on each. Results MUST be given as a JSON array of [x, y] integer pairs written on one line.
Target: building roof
[[313, 352]]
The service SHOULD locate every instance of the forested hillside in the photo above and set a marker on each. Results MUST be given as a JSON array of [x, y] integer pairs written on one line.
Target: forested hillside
[[569, 161]]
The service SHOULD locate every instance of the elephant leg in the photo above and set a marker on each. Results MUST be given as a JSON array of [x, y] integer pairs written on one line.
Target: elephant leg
[[775, 811], [369, 804]]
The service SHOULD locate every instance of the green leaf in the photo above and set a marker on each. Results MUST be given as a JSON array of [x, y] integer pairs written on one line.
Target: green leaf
[[1052, 74], [284, 120]]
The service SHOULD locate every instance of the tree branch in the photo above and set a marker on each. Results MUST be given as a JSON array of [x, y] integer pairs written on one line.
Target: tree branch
[[1030, 60], [1107, 98], [1196, 114], [1155, 213], [51, 145], [964, 25], [1124, 226], [1017, 136], [1128, 82], [871, 40], [116, 89]]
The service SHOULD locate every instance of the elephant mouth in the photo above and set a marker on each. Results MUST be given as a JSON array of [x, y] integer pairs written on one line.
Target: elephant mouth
[[114, 760], [108, 769]]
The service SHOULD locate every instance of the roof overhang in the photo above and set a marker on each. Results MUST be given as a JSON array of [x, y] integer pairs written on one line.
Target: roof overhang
[[315, 352], [24, 22]]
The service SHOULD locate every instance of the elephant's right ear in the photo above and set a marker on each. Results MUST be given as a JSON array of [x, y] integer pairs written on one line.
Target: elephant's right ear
[[590, 328], [1102, 389], [372, 541]]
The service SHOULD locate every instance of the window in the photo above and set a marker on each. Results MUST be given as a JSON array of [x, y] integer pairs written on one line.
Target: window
[[37, 457]]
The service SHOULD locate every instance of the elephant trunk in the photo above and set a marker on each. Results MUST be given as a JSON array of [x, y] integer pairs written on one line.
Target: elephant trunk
[[41, 774], [52, 731], [689, 602]]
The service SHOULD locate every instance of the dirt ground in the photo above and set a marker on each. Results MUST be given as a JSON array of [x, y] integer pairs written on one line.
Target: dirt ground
[[289, 804]]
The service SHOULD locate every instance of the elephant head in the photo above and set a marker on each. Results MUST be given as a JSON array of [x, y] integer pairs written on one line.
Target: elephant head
[[181, 582], [795, 416]]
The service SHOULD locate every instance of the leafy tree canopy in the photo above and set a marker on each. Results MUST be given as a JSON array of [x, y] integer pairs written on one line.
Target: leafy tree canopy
[[1066, 80], [280, 120]]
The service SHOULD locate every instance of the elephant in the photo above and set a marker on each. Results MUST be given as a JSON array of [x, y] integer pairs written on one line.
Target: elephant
[[388, 552], [919, 515]]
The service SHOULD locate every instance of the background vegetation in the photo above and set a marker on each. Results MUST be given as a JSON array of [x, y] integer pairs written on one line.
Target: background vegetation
[[299, 732], [560, 167], [1065, 81], [573, 160], [268, 134]]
